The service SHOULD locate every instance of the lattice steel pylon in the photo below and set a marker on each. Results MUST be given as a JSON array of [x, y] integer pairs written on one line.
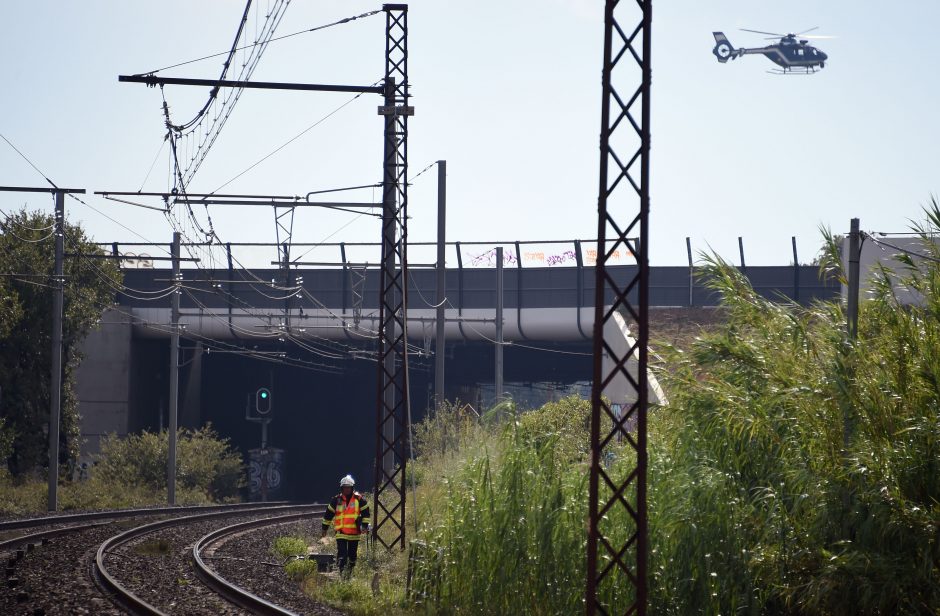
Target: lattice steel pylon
[[284, 233], [617, 547], [392, 424]]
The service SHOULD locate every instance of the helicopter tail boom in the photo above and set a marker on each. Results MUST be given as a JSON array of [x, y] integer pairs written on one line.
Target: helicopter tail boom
[[723, 49]]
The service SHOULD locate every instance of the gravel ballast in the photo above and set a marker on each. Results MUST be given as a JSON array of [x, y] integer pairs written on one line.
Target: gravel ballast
[[239, 559], [56, 578]]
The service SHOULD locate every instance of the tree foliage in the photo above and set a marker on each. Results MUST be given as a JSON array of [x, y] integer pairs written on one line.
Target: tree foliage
[[27, 249]]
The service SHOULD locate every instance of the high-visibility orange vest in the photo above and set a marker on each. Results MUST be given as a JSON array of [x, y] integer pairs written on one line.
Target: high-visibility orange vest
[[347, 512]]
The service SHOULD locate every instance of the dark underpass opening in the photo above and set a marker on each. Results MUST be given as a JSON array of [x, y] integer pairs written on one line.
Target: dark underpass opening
[[324, 421]]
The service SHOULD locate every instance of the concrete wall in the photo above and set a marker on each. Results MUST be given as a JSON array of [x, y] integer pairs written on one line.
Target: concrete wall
[[877, 252], [102, 381]]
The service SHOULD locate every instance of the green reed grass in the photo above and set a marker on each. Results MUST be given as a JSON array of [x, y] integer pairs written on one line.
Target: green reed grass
[[795, 471], [508, 534]]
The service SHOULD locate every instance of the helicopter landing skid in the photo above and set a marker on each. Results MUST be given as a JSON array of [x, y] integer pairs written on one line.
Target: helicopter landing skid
[[783, 71]]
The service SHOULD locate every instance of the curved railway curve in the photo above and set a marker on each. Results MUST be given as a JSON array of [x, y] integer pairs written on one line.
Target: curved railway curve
[[232, 592], [80, 563]]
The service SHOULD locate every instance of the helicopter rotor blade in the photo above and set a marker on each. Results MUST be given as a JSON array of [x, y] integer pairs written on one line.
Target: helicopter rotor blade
[[805, 31], [774, 34], [818, 36]]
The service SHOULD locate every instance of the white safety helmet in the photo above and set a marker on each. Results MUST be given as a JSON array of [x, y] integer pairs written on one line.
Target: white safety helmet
[[347, 481]]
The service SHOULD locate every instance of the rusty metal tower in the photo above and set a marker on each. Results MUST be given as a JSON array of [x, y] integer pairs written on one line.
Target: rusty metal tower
[[617, 545], [393, 416]]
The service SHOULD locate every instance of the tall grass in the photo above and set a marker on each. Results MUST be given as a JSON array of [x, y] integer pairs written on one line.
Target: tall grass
[[796, 471], [508, 531], [799, 470]]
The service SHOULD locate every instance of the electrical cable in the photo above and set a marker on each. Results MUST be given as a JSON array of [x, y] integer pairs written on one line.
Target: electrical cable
[[12, 218], [317, 303], [345, 188], [414, 285], [138, 294], [904, 250], [290, 141], [344, 348], [37, 284], [315, 367], [77, 247], [420, 173], [323, 241], [299, 342], [23, 239], [279, 334], [241, 330], [123, 226], [195, 155], [23, 156], [160, 294], [119, 287], [273, 40], [345, 323], [159, 327], [152, 165], [273, 17], [225, 66], [294, 293], [76, 198], [134, 203]]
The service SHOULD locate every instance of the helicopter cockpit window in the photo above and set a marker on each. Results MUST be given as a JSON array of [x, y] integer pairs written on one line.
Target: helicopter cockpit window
[[799, 52], [815, 53]]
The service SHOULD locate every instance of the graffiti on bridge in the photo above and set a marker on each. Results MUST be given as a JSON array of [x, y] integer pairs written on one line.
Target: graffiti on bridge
[[265, 473], [536, 258]]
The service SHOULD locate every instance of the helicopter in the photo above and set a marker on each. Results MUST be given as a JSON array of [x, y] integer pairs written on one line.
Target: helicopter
[[793, 55]]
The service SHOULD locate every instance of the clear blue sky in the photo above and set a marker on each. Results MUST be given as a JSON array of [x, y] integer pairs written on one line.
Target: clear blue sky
[[508, 93]]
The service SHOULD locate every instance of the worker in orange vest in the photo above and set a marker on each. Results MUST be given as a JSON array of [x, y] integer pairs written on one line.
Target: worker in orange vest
[[349, 514]]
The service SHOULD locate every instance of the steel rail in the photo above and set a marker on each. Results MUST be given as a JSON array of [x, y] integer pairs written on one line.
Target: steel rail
[[127, 513], [126, 599], [42, 536], [227, 590]]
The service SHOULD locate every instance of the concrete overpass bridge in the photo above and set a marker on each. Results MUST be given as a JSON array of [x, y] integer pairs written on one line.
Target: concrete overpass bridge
[[312, 342], [550, 304]]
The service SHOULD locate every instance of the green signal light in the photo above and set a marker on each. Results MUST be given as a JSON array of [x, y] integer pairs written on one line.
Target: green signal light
[[264, 394]]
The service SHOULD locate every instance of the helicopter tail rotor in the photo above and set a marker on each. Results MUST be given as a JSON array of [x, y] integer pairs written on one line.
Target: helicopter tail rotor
[[723, 49]]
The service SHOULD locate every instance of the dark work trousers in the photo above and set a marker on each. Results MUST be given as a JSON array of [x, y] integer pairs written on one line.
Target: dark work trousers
[[346, 551]]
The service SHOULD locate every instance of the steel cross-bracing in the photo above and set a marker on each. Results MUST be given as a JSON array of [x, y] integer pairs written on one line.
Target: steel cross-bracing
[[392, 405], [393, 416], [284, 233], [617, 544]]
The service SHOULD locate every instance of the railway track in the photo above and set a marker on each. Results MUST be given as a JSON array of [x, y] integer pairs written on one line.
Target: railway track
[[231, 592], [79, 548]]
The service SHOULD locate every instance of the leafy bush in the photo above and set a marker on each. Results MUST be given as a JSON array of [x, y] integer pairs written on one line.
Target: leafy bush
[[131, 472], [287, 547], [206, 463]]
